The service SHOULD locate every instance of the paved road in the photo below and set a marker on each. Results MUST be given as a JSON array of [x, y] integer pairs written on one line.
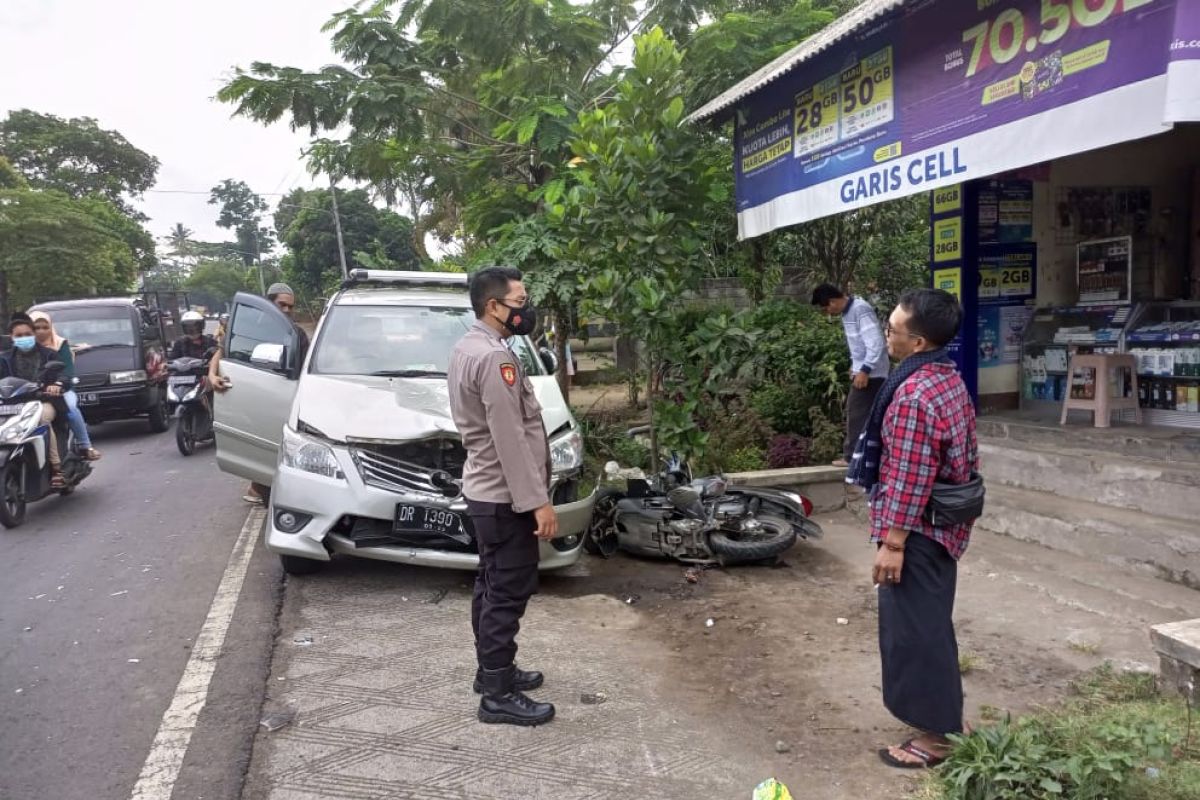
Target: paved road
[[101, 596]]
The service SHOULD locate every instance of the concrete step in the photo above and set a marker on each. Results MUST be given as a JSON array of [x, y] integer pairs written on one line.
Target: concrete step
[[1153, 486], [1135, 441], [1144, 543]]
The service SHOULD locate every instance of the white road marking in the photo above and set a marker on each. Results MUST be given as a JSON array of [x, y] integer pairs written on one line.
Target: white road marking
[[162, 766]]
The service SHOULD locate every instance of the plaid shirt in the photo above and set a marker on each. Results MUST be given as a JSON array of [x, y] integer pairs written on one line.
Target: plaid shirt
[[928, 434]]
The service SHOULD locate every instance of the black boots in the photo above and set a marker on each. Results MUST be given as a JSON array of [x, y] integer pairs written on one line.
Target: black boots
[[523, 681], [503, 703]]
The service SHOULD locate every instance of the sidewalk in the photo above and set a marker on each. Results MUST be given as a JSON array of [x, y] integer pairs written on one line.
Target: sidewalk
[[375, 660]]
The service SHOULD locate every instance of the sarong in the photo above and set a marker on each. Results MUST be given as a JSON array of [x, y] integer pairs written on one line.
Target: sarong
[[922, 686]]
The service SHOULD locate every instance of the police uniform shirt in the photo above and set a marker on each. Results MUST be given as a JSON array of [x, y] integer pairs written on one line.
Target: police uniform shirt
[[500, 422]]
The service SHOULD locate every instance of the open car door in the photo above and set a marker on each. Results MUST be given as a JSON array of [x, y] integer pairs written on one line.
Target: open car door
[[260, 357]]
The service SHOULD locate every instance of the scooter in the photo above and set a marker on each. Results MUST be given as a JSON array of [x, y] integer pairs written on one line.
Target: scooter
[[696, 521], [25, 473], [189, 397]]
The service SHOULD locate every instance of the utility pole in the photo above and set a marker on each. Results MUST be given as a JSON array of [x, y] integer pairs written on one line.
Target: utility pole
[[262, 287], [337, 224]]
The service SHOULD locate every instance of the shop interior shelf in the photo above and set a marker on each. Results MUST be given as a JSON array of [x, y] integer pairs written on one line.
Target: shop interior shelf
[[1168, 377]]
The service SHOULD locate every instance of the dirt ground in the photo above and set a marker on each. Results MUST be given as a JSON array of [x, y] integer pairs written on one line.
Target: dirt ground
[[373, 664], [790, 661]]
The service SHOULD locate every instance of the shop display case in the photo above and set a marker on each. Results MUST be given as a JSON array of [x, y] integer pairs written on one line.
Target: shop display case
[[1050, 337], [1165, 339], [1104, 271]]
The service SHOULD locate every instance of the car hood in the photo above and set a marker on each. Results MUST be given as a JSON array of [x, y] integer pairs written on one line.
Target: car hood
[[371, 409]]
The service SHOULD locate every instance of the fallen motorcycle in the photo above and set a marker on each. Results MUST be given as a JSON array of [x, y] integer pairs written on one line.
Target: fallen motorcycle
[[697, 521]]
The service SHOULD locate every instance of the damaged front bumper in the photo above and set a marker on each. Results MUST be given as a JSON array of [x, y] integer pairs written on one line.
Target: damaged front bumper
[[347, 515]]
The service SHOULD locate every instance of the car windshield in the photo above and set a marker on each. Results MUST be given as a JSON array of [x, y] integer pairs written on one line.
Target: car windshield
[[397, 341], [94, 327]]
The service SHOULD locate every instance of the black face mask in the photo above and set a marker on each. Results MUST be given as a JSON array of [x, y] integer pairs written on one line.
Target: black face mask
[[521, 320]]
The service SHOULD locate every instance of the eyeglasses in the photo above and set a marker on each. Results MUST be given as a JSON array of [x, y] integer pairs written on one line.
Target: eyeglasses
[[284, 306], [888, 330]]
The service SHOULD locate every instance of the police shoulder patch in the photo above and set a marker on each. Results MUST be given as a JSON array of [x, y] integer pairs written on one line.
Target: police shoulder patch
[[508, 372]]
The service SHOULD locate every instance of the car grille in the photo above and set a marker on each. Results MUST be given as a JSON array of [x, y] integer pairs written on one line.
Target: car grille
[[407, 467]]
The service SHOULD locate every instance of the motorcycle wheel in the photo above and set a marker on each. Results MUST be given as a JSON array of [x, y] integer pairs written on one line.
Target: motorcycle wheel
[[601, 537], [740, 547], [185, 435], [12, 505]]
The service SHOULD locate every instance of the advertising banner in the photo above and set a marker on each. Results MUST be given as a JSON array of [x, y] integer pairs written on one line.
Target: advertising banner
[[939, 92]]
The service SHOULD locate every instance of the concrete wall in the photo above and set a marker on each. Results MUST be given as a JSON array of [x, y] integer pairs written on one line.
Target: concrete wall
[[729, 291]]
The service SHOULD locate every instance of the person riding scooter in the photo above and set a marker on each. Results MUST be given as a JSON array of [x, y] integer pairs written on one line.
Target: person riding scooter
[[25, 361], [194, 343]]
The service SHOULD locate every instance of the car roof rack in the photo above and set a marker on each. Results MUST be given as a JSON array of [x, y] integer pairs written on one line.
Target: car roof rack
[[386, 277]]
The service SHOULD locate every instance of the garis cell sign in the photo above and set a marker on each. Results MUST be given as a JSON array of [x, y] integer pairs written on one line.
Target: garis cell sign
[[937, 92]]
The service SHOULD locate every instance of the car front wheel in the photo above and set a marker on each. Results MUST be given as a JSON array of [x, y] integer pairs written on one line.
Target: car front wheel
[[294, 565]]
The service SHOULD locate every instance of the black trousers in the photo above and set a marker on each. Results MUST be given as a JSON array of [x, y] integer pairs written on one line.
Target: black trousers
[[858, 409], [922, 685], [507, 578]]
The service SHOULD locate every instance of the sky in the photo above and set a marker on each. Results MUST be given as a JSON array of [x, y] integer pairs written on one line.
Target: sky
[[150, 69]]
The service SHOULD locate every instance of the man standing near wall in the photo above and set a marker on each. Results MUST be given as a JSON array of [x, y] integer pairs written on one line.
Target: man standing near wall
[[868, 357]]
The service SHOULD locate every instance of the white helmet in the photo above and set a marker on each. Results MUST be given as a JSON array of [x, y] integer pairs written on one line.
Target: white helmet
[[192, 323]]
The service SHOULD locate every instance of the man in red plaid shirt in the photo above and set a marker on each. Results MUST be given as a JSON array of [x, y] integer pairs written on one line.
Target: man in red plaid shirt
[[926, 433]]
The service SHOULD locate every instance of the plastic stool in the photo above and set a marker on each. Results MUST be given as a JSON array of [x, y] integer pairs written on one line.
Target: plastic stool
[[1102, 403]]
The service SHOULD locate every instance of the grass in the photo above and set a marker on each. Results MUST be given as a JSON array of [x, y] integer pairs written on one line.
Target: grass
[[1110, 718], [968, 662], [1087, 648]]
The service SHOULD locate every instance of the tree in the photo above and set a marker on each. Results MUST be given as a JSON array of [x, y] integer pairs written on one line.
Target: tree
[[242, 212], [641, 214], [374, 237], [180, 240], [52, 244], [77, 157], [213, 283]]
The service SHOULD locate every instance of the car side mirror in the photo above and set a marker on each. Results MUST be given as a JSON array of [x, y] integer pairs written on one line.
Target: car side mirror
[[549, 360], [272, 356]]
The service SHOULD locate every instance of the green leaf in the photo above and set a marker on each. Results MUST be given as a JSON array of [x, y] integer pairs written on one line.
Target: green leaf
[[674, 111], [526, 128]]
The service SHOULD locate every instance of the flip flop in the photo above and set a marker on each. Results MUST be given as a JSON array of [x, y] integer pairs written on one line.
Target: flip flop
[[252, 499], [928, 760]]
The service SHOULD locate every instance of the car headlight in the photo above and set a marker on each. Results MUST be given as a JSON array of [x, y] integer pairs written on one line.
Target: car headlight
[[566, 451], [129, 376], [21, 425], [308, 455]]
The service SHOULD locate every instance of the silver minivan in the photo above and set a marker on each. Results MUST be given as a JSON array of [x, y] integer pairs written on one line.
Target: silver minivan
[[357, 442]]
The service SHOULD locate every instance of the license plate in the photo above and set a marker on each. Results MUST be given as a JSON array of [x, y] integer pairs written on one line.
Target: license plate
[[182, 380], [410, 518], [9, 410], [89, 399]]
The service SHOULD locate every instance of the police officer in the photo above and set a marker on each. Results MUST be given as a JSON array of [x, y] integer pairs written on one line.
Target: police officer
[[506, 483]]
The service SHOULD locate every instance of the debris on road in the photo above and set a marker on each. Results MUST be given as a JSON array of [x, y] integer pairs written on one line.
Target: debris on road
[[782, 747], [593, 698], [134, 660], [28, 628], [771, 789], [843, 621], [118, 594], [303, 641], [692, 575], [708, 623], [438, 596], [631, 599], [277, 719]]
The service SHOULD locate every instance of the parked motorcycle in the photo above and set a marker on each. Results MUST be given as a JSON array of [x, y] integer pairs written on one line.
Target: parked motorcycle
[[189, 398], [698, 521], [25, 447]]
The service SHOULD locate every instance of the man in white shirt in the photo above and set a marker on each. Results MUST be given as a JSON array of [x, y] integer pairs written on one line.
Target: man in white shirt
[[868, 357]]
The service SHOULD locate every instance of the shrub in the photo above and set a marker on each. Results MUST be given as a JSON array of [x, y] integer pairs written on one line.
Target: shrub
[[828, 438], [733, 428], [788, 450], [747, 459]]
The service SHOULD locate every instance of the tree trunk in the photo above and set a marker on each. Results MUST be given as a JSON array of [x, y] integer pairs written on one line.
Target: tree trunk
[[562, 334], [5, 311], [651, 363]]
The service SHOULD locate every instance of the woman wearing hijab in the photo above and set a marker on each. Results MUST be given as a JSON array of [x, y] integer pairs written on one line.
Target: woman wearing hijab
[[43, 329]]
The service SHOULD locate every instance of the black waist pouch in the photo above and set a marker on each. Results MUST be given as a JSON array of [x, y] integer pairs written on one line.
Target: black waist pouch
[[956, 503]]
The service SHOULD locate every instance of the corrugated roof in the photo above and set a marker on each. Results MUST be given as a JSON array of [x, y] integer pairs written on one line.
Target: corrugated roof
[[859, 16]]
